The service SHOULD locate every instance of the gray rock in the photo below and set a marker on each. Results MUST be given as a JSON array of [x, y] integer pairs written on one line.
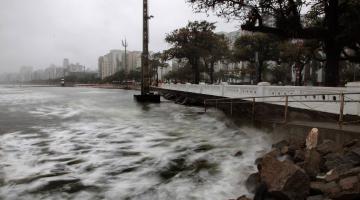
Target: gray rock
[[284, 180], [328, 146], [317, 197], [253, 182], [312, 163]]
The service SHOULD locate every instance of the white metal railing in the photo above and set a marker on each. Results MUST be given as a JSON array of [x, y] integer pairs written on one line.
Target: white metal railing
[[324, 99]]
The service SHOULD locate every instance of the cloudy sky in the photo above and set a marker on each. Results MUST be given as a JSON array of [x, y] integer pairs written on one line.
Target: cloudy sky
[[43, 32]]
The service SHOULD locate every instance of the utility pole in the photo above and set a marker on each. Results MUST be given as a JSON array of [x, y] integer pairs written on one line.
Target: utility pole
[[125, 45], [145, 85], [146, 96]]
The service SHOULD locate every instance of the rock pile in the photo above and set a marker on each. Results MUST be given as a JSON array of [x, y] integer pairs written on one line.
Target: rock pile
[[307, 171]]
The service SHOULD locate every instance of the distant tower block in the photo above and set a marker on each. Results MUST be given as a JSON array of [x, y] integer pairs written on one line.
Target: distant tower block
[[66, 63]]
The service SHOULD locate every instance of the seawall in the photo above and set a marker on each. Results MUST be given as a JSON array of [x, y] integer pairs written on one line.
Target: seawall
[[271, 117]]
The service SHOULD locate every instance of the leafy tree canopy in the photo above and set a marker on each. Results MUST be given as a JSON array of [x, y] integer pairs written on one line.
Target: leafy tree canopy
[[336, 23], [191, 42]]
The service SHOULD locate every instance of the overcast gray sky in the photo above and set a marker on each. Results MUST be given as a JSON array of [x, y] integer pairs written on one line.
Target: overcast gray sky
[[43, 32]]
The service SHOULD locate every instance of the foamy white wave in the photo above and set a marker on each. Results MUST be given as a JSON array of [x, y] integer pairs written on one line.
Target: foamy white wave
[[101, 145]]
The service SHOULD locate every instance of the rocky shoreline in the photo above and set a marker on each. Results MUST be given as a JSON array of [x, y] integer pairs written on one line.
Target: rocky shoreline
[[307, 171]]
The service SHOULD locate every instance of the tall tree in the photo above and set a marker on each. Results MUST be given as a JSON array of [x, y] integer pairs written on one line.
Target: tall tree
[[217, 50], [299, 54], [156, 61], [191, 42], [333, 22], [256, 48]]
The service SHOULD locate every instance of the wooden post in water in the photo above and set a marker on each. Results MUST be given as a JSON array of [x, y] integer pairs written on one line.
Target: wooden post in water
[[286, 109], [341, 115]]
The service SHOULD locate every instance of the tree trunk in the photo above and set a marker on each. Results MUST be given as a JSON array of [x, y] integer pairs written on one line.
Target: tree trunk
[[332, 49], [211, 72], [259, 72], [307, 77], [299, 79], [196, 70], [332, 64], [157, 77]]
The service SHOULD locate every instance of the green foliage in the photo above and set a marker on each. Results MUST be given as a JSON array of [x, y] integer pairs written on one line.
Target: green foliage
[[195, 41], [264, 45], [157, 60], [121, 76], [280, 74], [182, 74], [217, 50], [334, 23]]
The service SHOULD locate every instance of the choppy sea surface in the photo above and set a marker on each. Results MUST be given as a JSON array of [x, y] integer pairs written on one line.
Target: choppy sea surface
[[86, 143]]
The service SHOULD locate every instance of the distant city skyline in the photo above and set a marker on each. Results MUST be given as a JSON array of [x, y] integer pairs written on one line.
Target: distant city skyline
[[39, 33]]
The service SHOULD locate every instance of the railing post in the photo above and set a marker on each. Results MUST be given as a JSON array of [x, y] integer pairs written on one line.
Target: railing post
[[253, 108], [341, 115], [205, 105], [286, 109], [231, 107]]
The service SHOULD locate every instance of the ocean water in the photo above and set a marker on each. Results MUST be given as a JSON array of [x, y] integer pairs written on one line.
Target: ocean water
[[86, 143]]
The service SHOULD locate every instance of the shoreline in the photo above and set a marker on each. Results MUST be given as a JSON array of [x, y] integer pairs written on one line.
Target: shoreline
[[306, 170]]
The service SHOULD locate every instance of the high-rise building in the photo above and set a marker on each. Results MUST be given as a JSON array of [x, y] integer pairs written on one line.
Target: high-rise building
[[100, 66], [133, 60], [105, 66], [114, 61], [111, 63], [66, 63], [26, 73]]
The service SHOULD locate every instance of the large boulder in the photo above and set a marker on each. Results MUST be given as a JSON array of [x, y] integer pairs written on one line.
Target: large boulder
[[332, 175], [333, 160], [351, 172], [243, 198], [352, 143], [349, 183], [253, 182], [342, 163], [284, 180], [316, 197], [350, 189], [328, 146], [331, 189], [281, 144], [299, 156], [312, 163], [353, 156]]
